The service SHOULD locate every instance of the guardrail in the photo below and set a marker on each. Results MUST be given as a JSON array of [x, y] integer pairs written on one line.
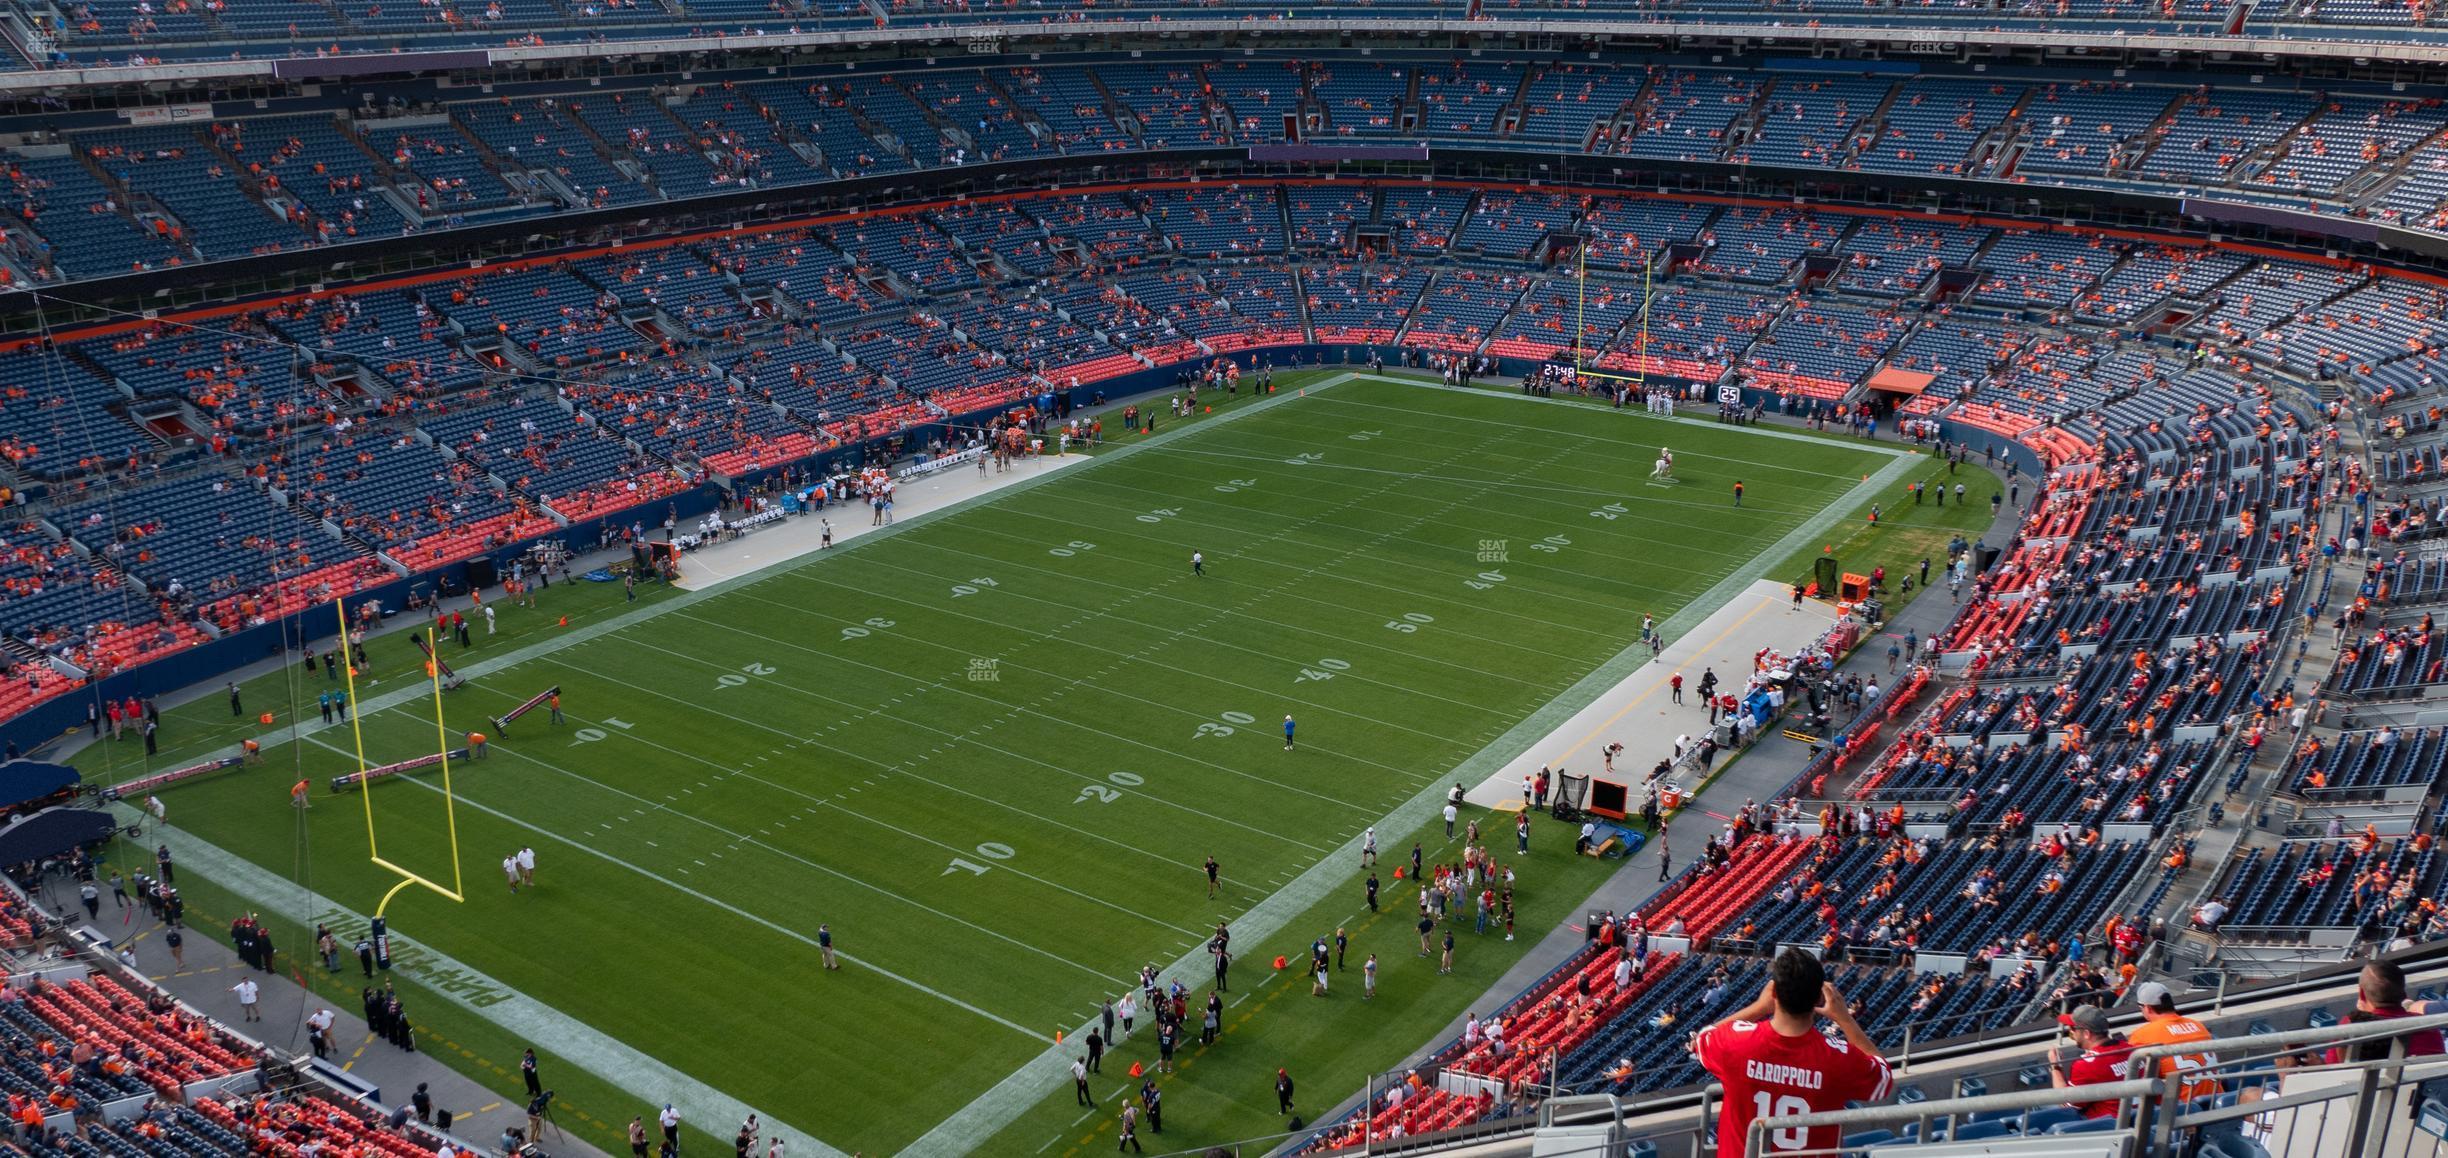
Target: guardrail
[[2152, 1111]]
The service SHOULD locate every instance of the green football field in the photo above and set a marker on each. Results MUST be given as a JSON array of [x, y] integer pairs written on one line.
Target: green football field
[[991, 749]]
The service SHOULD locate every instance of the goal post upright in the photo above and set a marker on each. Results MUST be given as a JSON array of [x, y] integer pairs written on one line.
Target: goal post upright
[[1580, 345], [456, 891]]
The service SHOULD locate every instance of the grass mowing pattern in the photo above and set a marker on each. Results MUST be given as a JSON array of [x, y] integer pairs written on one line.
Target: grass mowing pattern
[[992, 750]]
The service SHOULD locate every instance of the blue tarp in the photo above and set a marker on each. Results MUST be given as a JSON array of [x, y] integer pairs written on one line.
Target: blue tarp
[[24, 780], [52, 832]]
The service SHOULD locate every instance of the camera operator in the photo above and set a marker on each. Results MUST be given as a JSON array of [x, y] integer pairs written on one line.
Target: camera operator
[[539, 1110]]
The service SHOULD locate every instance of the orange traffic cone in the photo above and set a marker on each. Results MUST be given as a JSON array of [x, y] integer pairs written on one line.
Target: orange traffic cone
[[565, 621], [1398, 872], [265, 718], [1209, 410], [1279, 961], [1137, 1069], [1058, 1037]]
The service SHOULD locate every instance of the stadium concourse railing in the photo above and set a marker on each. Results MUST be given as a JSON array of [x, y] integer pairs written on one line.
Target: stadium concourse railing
[[286, 61], [2378, 1108], [1681, 1123]]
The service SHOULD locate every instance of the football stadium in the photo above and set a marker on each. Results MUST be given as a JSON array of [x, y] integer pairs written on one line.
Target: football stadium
[[1657, 579]]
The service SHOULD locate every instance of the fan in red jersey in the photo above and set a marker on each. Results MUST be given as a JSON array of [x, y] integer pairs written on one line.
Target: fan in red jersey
[[1775, 1062]]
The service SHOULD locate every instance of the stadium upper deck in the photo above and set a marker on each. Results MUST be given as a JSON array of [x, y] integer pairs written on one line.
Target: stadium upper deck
[[116, 202]]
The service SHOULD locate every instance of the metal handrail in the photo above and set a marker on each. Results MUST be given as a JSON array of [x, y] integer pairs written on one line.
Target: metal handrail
[[2340, 1034]]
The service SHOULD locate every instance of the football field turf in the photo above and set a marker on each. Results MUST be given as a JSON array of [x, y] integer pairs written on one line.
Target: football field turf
[[991, 749]]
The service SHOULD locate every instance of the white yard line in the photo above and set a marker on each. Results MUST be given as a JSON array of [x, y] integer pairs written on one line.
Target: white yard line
[[1485, 640], [965, 737], [1075, 830]]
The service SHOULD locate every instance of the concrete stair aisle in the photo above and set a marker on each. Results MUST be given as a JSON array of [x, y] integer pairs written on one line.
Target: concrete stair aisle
[[1509, 118], [2258, 161], [1038, 130], [1612, 127], [1863, 135], [2132, 150], [2360, 190], [2000, 145], [1738, 131], [1300, 298]]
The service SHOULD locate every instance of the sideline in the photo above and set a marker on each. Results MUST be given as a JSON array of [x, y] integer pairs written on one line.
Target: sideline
[[972, 1126]]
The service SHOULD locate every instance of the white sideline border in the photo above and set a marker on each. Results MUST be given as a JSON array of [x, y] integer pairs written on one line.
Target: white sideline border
[[968, 1128]]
